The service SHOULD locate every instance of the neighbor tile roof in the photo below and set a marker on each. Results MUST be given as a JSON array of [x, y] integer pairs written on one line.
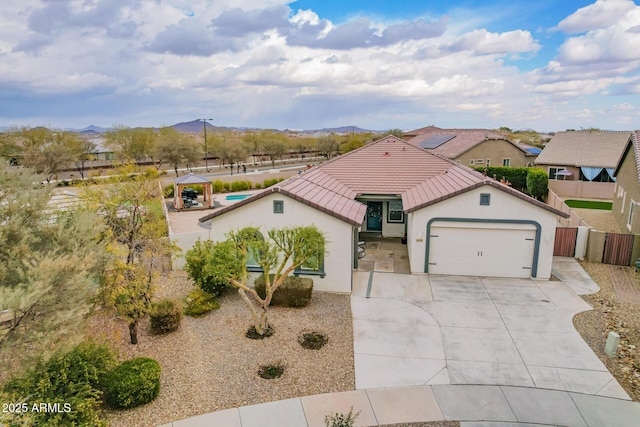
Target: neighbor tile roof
[[585, 148], [463, 140], [387, 166]]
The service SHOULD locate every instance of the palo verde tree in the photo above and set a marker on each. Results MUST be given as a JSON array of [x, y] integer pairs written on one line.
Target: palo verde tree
[[279, 255], [49, 263], [137, 236]]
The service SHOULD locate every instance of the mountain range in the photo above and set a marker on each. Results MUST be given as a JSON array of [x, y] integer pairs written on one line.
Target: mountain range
[[196, 126]]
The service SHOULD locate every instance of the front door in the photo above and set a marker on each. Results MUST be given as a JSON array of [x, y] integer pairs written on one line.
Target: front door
[[374, 216]]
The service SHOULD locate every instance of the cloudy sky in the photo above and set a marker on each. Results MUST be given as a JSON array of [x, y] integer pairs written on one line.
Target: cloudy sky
[[306, 64]]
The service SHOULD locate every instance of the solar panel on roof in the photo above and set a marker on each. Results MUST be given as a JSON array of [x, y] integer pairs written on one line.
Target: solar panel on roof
[[533, 150], [435, 141]]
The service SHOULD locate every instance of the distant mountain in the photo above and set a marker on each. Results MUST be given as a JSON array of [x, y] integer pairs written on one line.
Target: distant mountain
[[195, 126], [94, 128]]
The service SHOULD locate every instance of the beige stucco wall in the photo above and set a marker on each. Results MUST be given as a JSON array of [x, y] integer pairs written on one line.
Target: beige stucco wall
[[582, 189], [467, 205], [626, 191], [339, 248], [495, 151]]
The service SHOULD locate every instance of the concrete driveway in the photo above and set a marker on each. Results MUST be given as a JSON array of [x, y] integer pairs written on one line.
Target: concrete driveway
[[429, 330]]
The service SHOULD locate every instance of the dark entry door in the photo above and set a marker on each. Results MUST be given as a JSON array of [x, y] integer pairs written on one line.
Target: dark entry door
[[374, 216]]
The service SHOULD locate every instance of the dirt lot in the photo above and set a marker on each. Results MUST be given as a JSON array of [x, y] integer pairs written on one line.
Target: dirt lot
[[610, 314]]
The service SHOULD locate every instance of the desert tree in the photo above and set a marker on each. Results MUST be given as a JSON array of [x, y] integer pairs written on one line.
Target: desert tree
[[328, 145], [49, 264], [131, 144], [46, 151], [81, 151], [285, 250], [176, 148], [273, 145], [137, 234]]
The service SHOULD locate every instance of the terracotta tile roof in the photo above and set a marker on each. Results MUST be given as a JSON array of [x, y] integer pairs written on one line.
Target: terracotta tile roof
[[585, 148], [462, 140], [387, 166]]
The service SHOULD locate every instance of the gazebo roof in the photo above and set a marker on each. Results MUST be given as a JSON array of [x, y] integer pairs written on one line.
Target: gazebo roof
[[191, 178]]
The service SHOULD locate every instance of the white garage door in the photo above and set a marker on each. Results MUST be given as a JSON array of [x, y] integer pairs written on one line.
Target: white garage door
[[497, 252]]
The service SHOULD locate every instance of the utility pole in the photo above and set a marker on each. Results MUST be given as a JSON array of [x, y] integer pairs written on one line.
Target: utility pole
[[206, 153]]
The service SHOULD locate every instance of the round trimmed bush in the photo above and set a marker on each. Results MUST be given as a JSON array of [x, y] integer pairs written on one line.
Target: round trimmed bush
[[165, 316], [133, 383], [198, 303]]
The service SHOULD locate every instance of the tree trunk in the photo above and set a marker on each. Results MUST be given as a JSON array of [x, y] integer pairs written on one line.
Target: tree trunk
[[133, 332], [263, 322]]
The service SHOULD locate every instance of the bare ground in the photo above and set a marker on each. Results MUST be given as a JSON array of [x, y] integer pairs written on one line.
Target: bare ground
[[611, 314], [209, 365]]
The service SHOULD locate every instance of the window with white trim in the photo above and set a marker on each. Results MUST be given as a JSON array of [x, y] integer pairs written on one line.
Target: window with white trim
[[395, 212], [471, 162], [506, 162], [314, 265], [632, 207]]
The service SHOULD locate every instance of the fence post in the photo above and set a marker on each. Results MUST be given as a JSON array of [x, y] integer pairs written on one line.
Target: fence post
[[595, 246], [582, 240]]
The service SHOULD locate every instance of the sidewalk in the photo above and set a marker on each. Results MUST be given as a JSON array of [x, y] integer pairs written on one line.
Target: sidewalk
[[472, 405]]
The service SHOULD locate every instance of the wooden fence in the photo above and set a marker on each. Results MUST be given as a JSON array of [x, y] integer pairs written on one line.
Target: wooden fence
[[565, 243]]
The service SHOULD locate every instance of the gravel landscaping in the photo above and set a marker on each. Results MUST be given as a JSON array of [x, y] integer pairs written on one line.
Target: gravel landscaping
[[209, 364], [610, 314]]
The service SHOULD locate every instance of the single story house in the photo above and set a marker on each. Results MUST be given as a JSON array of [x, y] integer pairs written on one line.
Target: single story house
[[455, 220], [626, 195], [473, 147], [585, 155]]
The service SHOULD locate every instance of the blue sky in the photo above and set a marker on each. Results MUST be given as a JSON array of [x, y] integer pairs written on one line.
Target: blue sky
[[544, 64]]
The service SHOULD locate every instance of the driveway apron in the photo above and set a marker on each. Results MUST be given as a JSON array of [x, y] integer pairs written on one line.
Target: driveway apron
[[414, 330]]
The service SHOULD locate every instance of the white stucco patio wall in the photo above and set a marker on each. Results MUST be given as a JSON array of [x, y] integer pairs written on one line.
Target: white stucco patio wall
[[467, 205], [259, 213]]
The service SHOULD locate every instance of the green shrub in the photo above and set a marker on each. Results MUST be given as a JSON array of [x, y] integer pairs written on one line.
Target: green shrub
[[168, 191], [294, 291], [272, 181], [72, 381], [133, 383], [218, 186], [198, 303], [341, 420], [165, 316], [226, 186], [516, 176], [197, 188], [257, 185], [240, 185], [537, 182], [197, 268]]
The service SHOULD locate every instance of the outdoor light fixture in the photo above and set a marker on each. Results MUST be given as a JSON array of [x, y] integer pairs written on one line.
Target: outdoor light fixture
[[206, 154]]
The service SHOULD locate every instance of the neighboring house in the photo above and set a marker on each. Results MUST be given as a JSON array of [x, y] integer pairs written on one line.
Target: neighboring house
[[626, 195], [584, 155], [455, 220], [588, 158], [473, 147]]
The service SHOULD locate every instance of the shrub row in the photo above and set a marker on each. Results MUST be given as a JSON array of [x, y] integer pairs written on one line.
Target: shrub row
[[532, 181], [293, 292], [219, 186]]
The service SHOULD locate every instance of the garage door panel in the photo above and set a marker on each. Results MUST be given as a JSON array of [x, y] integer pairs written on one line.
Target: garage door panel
[[481, 251]]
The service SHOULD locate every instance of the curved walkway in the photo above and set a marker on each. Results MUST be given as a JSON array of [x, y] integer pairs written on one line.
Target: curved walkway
[[476, 350]]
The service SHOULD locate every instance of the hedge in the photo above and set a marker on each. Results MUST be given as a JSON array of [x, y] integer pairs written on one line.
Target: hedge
[[293, 292]]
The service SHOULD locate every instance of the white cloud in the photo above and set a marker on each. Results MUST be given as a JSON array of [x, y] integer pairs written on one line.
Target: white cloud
[[601, 14], [262, 63], [485, 42]]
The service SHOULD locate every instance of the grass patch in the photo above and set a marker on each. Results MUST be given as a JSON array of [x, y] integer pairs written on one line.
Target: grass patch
[[588, 204]]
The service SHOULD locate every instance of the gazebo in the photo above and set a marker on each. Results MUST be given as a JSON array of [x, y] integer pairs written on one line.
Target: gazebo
[[182, 182]]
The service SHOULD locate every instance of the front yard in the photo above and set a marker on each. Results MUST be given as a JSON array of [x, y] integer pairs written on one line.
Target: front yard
[[209, 365]]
